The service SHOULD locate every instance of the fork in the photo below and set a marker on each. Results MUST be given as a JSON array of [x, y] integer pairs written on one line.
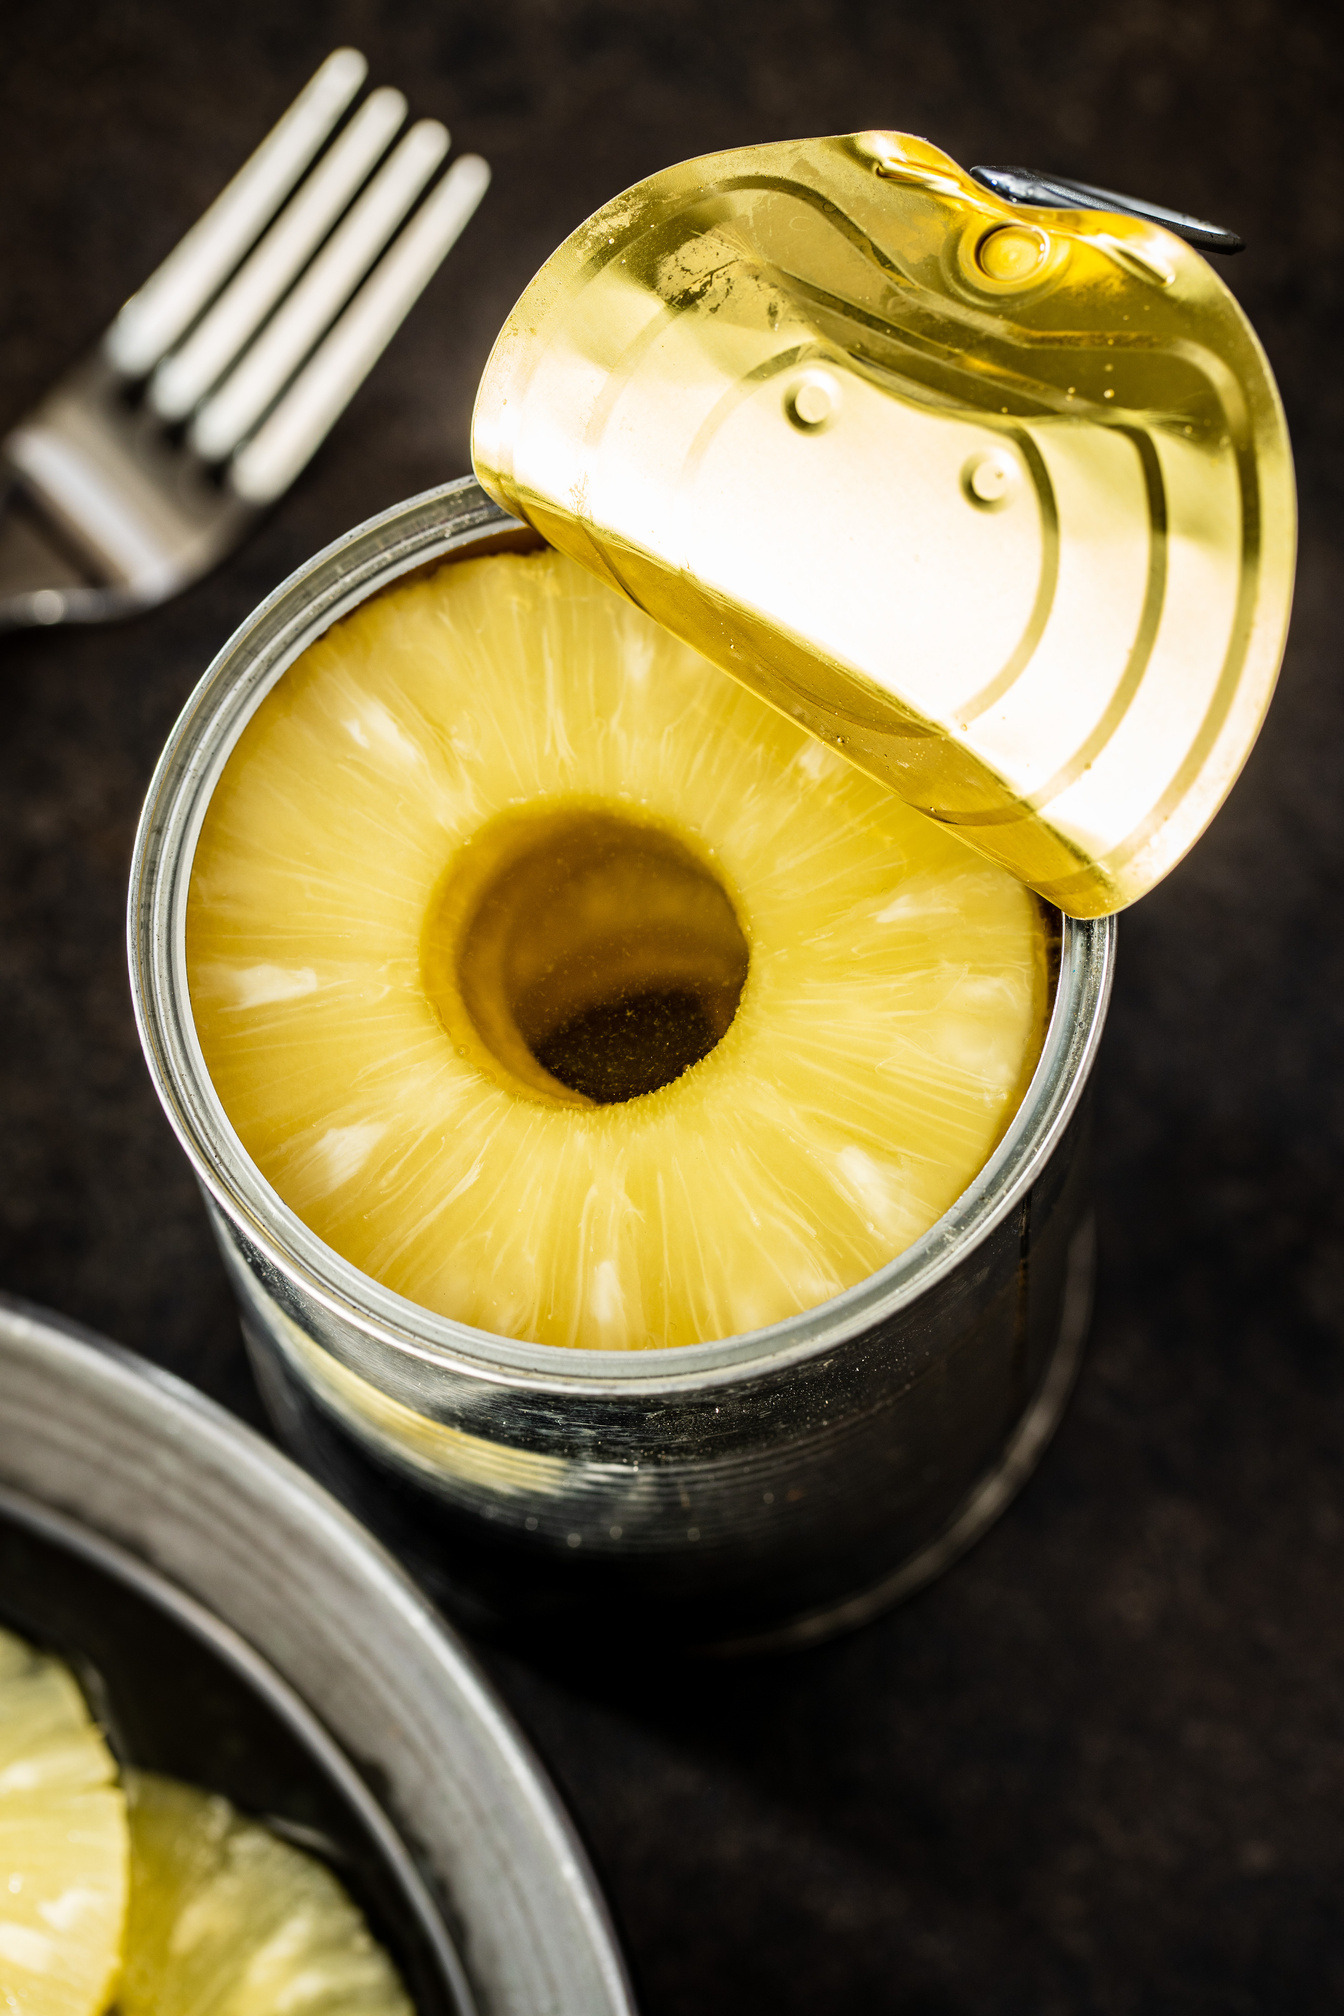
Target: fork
[[220, 378]]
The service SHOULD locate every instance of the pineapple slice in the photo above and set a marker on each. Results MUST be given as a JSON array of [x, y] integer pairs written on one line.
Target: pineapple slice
[[63, 1844], [227, 1920], [563, 986]]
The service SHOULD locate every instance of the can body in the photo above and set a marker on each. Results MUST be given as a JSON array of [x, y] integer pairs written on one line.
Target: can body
[[757, 1490]]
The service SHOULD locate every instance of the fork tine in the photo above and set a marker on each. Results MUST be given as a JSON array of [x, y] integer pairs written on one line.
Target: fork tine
[[184, 378], [171, 299], [249, 389], [278, 451]]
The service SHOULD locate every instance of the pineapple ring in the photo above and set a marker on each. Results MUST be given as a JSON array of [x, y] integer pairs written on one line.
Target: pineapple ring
[[63, 1843], [484, 786], [229, 1919]]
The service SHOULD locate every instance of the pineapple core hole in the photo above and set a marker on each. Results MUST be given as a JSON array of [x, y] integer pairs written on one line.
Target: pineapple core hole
[[582, 956]]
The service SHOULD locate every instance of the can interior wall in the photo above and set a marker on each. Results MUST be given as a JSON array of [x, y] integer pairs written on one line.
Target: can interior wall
[[756, 1491]]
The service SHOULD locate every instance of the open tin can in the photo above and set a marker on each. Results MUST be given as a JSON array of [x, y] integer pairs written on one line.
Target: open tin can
[[759, 1490]]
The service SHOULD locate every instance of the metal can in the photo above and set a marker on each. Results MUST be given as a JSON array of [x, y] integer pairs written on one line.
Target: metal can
[[757, 1491]]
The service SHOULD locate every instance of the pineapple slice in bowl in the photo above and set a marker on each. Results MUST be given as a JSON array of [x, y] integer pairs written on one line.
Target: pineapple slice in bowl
[[230, 1624], [226, 1919], [63, 1843], [169, 1899]]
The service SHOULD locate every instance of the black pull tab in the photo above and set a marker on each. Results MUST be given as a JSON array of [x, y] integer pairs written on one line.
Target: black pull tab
[[1060, 192]]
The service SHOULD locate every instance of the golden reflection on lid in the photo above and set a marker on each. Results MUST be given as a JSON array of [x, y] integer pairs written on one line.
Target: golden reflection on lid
[[997, 500]]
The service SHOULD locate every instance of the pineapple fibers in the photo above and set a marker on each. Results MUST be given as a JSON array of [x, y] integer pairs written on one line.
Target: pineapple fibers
[[566, 988], [168, 1899], [227, 1920], [63, 1843]]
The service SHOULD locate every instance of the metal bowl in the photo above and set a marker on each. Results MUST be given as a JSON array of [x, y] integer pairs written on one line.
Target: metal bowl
[[238, 1628], [762, 1489]]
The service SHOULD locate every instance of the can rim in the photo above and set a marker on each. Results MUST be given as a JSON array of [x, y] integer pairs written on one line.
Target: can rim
[[372, 556]]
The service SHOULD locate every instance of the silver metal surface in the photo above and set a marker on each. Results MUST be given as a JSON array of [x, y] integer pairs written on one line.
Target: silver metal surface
[[231, 413], [735, 1491], [106, 505], [127, 1467], [173, 296], [1063, 192], [69, 1539], [181, 382], [268, 463]]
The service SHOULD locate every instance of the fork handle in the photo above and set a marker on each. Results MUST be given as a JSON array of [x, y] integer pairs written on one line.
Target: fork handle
[[40, 583]]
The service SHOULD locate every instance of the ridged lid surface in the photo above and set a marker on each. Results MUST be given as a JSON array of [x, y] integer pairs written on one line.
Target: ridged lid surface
[[996, 499]]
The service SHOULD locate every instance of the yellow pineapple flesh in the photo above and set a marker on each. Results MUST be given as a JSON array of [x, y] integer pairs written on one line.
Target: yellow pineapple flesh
[[495, 836], [228, 1920], [63, 1843]]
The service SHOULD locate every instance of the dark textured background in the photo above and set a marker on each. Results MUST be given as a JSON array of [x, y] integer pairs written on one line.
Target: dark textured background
[[1100, 1766]]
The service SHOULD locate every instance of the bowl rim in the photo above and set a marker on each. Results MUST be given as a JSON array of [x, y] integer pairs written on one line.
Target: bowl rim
[[434, 526], [95, 1436], [72, 1536]]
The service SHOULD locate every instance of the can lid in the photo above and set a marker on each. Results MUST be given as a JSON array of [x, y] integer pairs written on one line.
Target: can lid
[[997, 499]]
